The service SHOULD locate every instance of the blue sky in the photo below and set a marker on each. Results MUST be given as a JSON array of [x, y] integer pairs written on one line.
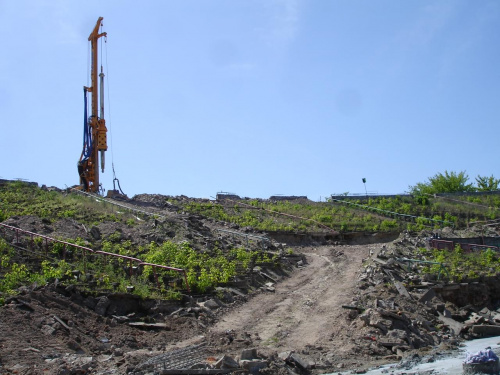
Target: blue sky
[[257, 97]]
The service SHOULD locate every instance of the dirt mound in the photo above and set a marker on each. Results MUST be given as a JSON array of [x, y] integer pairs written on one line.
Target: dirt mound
[[44, 331]]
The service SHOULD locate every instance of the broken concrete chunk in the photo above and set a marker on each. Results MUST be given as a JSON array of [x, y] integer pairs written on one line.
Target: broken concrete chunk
[[226, 362], [429, 295], [485, 311], [401, 289], [285, 355], [253, 366], [299, 361], [248, 354], [474, 319], [486, 330], [453, 325]]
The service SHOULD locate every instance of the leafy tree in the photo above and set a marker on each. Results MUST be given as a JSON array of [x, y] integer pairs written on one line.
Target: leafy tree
[[487, 183], [449, 182]]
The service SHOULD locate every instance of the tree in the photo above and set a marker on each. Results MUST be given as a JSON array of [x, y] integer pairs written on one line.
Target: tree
[[449, 182], [487, 183]]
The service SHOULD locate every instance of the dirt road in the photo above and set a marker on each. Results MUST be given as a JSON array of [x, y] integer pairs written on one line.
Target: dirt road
[[305, 311]]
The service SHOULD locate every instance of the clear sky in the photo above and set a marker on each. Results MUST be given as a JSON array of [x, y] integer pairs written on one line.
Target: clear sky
[[261, 97]]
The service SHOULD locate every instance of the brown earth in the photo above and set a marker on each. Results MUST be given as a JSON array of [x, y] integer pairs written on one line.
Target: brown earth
[[305, 310], [303, 314], [335, 306]]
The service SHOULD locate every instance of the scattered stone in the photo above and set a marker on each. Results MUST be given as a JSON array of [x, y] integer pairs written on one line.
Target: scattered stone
[[248, 354], [102, 305], [486, 330], [211, 304], [285, 355], [253, 366], [428, 296], [48, 330], [453, 325], [226, 362], [299, 361]]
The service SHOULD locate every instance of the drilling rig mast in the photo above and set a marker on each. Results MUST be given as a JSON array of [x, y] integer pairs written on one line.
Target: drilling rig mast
[[94, 133]]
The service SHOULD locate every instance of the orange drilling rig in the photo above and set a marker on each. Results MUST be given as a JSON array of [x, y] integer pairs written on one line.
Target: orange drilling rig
[[94, 127]]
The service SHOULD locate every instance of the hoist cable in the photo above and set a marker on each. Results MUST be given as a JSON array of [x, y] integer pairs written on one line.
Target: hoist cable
[[109, 120]]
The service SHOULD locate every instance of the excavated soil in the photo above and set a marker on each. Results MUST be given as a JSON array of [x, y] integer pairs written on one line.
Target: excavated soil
[[44, 331], [305, 310], [331, 306]]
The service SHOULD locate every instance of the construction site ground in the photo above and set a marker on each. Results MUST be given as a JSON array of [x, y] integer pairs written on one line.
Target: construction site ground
[[328, 307], [303, 314]]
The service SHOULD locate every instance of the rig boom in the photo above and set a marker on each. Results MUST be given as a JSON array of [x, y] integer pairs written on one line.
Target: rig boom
[[94, 138]]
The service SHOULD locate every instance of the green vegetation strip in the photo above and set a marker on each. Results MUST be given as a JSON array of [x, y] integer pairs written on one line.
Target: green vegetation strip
[[460, 265], [420, 219]]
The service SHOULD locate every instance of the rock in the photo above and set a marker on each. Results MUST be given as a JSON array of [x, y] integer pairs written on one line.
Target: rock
[[373, 318], [104, 358], [64, 371], [253, 366], [486, 330], [453, 325], [474, 319], [284, 355], [211, 304], [102, 305], [428, 296], [48, 330], [95, 233], [299, 361], [226, 362], [82, 363], [73, 345], [248, 354], [398, 334]]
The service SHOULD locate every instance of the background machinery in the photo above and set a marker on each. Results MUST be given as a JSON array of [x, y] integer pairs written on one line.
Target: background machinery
[[94, 128]]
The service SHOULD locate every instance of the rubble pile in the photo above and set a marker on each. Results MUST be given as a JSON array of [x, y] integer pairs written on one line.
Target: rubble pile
[[400, 311]]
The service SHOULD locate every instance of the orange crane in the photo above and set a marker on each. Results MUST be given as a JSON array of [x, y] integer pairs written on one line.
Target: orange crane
[[94, 133]]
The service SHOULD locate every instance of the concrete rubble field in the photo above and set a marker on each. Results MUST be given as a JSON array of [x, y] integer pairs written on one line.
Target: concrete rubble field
[[323, 307]]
